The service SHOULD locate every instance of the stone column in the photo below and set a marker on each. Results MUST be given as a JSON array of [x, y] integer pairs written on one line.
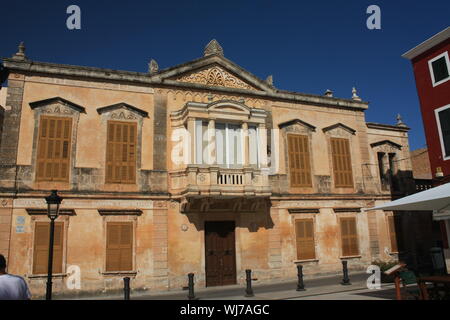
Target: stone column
[[262, 147], [212, 142], [245, 147], [191, 130]]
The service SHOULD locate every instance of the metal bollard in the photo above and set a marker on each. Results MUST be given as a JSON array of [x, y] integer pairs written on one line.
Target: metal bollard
[[191, 295], [249, 290], [126, 288], [345, 280], [300, 284]]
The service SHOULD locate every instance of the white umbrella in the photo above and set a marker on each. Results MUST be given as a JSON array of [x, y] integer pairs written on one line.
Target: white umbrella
[[435, 199]]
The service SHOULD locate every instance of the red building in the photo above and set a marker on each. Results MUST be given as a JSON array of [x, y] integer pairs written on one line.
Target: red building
[[430, 61], [431, 64]]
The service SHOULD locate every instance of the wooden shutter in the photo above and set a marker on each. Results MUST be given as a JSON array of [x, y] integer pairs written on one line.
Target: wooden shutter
[[299, 161], [53, 158], [342, 164], [304, 230], [119, 246], [392, 234], [121, 152], [349, 237], [41, 246]]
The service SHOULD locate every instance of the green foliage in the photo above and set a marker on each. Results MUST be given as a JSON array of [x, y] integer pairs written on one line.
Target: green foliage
[[385, 265]]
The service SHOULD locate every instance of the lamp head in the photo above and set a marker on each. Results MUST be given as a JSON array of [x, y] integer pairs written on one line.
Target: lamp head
[[53, 202]]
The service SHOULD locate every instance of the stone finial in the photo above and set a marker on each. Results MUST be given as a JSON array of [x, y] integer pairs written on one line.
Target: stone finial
[[354, 95], [328, 93], [400, 122], [20, 55], [269, 80], [153, 67], [213, 47]]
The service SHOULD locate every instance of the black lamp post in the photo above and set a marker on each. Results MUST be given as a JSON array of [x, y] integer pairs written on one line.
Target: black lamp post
[[53, 202]]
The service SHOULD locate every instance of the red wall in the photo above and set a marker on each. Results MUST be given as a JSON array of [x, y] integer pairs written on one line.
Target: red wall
[[432, 98]]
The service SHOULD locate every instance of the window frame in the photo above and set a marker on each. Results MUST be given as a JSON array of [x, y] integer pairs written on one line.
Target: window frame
[[63, 225], [309, 161], [441, 138], [133, 246], [46, 159], [430, 67], [298, 258], [348, 142], [110, 180], [357, 254]]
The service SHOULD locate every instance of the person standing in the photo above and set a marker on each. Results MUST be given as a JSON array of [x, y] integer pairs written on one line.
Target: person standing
[[12, 287]]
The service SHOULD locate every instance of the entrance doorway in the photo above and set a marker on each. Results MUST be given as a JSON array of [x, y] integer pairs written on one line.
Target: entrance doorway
[[220, 253]]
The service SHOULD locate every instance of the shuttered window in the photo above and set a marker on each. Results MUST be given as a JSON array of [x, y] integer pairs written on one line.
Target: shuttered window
[[349, 237], [119, 246], [53, 158], [392, 234], [299, 162], [121, 152], [304, 231], [342, 164], [41, 246]]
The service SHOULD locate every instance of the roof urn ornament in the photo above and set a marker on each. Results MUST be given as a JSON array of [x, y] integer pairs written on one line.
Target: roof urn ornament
[[354, 95], [269, 80], [213, 47], [20, 55], [153, 67], [328, 93], [400, 122]]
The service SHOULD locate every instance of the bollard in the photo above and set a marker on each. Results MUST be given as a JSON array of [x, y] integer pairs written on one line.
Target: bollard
[[126, 288], [249, 290], [300, 284], [345, 280], [191, 295]]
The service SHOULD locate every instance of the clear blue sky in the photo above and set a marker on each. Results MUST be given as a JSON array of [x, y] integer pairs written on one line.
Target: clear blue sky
[[308, 46]]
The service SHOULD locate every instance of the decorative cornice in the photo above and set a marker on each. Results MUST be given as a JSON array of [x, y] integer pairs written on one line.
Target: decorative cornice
[[304, 210], [125, 212], [375, 144], [63, 212], [373, 125], [122, 105], [296, 121], [344, 210], [46, 102], [339, 125]]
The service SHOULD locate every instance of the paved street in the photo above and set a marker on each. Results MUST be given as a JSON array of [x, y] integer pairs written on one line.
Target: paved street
[[325, 288]]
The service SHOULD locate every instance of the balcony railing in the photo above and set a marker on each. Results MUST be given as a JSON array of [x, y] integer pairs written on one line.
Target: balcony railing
[[199, 180]]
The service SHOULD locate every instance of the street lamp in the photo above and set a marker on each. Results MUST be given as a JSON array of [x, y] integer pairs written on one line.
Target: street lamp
[[53, 202]]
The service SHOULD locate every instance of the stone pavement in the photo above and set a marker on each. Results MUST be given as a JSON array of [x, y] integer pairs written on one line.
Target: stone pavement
[[325, 288]]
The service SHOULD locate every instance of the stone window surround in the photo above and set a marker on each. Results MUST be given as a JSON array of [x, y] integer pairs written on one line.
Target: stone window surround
[[340, 130], [305, 215], [63, 109], [40, 215], [298, 127], [120, 216], [126, 113]]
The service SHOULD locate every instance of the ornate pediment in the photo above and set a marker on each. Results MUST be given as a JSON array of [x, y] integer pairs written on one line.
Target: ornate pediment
[[215, 76]]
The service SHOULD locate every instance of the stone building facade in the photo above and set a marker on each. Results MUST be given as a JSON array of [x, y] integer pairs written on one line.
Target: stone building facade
[[201, 168]]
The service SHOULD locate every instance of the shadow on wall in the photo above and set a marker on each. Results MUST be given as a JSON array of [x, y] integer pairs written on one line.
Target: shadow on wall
[[252, 214]]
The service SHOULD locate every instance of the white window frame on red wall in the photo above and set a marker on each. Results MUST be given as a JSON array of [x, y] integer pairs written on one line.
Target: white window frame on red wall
[[430, 67], [441, 138]]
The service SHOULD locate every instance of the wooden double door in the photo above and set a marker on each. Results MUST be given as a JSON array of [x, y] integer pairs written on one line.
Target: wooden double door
[[220, 253]]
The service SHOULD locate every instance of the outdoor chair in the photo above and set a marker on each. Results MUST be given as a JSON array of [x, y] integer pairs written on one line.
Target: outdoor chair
[[409, 285]]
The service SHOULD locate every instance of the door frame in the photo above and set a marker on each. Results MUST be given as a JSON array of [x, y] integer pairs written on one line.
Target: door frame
[[205, 222]]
